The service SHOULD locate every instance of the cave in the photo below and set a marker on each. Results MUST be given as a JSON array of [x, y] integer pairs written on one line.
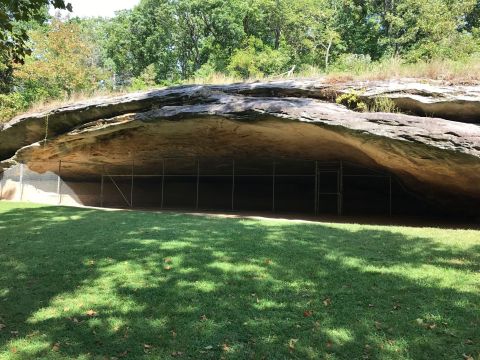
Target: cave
[[258, 185], [242, 148]]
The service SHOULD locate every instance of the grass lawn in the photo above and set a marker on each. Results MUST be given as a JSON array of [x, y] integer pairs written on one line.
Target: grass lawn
[[91, 284]]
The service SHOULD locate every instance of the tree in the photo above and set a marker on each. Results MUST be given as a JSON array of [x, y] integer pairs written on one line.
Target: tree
[[60, 64], [422, 30], [13, 32]]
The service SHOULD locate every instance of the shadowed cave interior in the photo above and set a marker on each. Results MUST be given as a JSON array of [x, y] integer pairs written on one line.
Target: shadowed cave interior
[[283, 186]]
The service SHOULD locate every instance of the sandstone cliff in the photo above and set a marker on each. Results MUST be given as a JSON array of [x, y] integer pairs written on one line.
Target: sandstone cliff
[[438, 157]]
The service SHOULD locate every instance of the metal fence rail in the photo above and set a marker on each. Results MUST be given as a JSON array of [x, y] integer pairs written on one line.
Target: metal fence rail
[[22, 182]]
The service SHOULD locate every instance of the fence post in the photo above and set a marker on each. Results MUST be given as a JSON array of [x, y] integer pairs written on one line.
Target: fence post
[[163, 182], [233, 183], [2, 174], [390, 194], [198, 183], [340, 189], [21, 182], [316, 187], [102, 186], [273, 186], [59, 182], [131, 185]]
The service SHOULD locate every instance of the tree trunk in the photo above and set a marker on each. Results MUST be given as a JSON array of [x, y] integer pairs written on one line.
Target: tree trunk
[[327, 54]]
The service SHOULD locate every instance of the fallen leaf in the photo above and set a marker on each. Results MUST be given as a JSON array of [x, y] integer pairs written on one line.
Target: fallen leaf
[[307, 313], [174, 334], [468, 342], [209, 347], [327, 302], [56, 347], [167, 260], [268, 261], [14, 333], [13, 350], [431, 326], [123, 354], [467, 357], [225, 347], [91, 313], [168, 267], [329, 344], [292, 343], [396, 307], [177, 353], [147, 346], [371, 305], [203, 318]]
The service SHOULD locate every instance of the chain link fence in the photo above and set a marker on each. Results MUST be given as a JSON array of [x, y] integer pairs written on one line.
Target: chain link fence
[[286, 185]]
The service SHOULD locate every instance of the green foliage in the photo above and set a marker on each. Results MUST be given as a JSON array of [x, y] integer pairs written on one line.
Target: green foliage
[[60, 65], [13, 31], [352, 63], [146, 79], [257, 59], [352, 101], [424, 30], [168, 42], [10, 105], [383, 104], [205, 71]]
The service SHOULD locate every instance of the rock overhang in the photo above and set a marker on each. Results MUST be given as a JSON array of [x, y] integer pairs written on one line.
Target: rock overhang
[[435, 157]]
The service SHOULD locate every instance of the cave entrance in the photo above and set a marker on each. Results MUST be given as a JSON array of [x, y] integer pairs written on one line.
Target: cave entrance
[[283, 186], [256, 185]]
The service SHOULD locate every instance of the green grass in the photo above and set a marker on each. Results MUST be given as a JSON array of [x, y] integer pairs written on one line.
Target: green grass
[[91, 284]]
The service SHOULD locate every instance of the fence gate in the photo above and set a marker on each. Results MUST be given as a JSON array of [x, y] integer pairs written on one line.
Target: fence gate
[[328, 188]]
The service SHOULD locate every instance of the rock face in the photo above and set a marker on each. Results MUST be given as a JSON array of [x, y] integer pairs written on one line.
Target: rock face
[[433, 99], [434, 157]]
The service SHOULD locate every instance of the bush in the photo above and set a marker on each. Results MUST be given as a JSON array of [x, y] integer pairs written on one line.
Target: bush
[[146, 80], [383, 104], [257, 59], [456, 46], [352, 101], [352, 63], [10, 105]]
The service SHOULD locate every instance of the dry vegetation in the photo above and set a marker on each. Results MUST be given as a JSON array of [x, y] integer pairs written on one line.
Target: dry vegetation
[[450, 72]]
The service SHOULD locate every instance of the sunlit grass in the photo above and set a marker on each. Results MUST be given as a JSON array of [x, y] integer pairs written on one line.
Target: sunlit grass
[[91, 284]]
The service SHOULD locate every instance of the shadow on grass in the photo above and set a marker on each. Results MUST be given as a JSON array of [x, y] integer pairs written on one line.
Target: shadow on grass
[[78, 283]]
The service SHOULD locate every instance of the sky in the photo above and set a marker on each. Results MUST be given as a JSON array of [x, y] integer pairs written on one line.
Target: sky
[[106, 8]]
